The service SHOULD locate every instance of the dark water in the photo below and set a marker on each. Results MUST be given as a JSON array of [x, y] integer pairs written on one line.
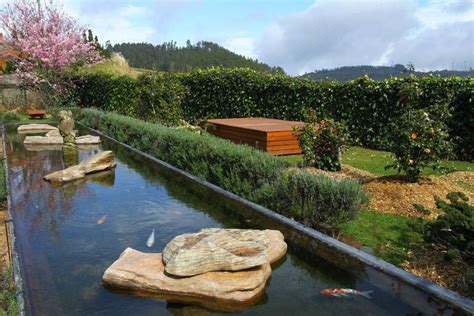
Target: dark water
[[64, 252]]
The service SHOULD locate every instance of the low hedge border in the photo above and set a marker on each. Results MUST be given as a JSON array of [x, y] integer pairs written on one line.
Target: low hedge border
[[257, 176]]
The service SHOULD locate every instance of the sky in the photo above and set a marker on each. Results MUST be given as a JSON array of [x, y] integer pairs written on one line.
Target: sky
[[298, 35]]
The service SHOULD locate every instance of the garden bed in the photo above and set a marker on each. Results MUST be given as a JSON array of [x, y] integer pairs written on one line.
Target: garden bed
[[393, 195], [388, 229]]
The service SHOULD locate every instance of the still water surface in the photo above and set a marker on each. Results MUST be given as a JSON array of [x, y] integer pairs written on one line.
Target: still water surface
[[64, 252]]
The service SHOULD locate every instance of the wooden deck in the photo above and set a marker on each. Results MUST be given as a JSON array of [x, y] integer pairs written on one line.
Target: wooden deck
[[273, 136]]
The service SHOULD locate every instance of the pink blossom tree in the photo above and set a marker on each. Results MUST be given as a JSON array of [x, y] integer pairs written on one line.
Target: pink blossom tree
[[50, 42]]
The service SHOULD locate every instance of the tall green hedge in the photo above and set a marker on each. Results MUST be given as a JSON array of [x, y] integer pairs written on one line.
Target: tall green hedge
[[366, 106], [243, 170]]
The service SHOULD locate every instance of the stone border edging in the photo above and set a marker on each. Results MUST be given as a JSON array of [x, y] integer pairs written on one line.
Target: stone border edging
[[448, 296], [17, 270]]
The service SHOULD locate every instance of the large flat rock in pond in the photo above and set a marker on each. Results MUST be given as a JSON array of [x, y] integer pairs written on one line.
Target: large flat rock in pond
[[55, 132], [218, 249], [43, 140], [144, 274], [87, 140], [99, 162], [50, 139], [38, 128]]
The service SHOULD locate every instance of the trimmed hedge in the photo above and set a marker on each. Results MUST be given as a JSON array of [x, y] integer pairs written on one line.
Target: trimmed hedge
[[243, 170], [366, 106]]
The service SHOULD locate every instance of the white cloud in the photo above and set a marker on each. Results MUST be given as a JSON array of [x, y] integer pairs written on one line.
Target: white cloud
[[112, 20], [241, 45], [333, 33]]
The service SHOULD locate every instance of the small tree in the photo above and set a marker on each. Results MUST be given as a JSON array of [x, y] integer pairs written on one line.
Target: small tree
[[51, 42], [321, 142], [455, 227], [419, 138]]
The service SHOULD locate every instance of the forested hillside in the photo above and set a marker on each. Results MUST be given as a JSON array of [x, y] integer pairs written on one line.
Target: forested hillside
[[170, 57], [377, 72]]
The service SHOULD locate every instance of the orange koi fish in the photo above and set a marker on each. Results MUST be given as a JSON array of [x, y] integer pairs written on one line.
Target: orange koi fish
[[345, 292], [101, 219]]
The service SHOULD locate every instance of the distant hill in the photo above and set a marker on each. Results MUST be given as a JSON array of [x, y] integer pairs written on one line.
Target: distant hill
[[169, 57], [376, 73]]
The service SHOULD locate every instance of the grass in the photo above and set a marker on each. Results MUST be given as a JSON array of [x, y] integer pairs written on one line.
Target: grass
[[390, 236], [25, 118], [8, 304], [374, 161]]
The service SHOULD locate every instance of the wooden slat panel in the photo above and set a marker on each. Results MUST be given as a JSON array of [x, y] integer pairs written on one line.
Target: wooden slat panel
[[293, 146], [226, 133], [282, 142], [235, 129], [274, 136], [284, 152]]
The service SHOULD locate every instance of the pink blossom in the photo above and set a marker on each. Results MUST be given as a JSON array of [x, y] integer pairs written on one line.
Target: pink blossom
[[51, 39]]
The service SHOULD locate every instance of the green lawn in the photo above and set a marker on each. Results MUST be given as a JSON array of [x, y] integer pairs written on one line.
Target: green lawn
[[374, 161], [26, 119], [390, 236]]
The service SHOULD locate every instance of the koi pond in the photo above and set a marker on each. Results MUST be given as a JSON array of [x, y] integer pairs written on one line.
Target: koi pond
[[67, 236]]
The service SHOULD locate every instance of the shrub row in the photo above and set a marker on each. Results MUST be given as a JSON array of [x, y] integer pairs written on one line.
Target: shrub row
[[366, 106], [245, 171], [154, 97]]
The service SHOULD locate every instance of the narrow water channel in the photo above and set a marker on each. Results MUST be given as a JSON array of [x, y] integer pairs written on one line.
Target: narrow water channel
[[64, 251]]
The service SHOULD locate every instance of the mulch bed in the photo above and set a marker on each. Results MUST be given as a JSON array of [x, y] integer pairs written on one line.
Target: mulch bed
[[450, 274], [392, 194]]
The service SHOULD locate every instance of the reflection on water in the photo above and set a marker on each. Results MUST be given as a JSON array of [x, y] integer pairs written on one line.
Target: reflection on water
[[64, 249]]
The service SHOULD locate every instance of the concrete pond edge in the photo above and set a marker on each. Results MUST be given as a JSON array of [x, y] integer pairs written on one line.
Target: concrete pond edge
[[16, 265]]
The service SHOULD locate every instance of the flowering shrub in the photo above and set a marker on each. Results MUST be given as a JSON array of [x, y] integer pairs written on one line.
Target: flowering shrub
[[321, 142], [419, 140], [49, 40]]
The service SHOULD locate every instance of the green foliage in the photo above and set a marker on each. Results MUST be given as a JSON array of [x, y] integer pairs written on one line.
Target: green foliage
[[8, 117], [322, 142], [108, 92], [422, 209], [240, 169], [419, 141], [366, 106], [348, 73], [316, 200], [223, 93], [153, 97], [390, 236], [160, 98], [8, 305], [374, 161], [454, 228], [243, 170], [169, 57]]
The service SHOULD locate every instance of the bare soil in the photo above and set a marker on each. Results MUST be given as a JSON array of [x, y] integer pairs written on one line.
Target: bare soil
[[423, 263], [4, 257]]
